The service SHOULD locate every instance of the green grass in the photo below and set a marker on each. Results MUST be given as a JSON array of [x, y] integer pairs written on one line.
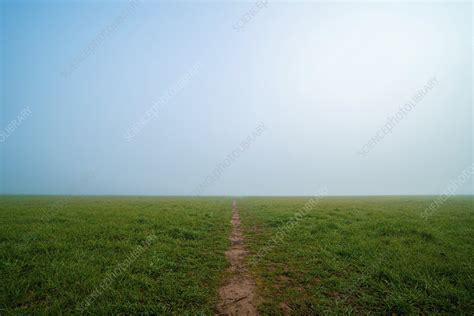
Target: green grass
[[56, 251], [363, 255]]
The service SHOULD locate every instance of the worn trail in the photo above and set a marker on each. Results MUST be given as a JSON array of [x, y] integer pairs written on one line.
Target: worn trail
[[237, 296]]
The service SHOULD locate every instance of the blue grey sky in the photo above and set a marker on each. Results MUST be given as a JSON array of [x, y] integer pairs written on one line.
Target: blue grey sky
[[324, 79]]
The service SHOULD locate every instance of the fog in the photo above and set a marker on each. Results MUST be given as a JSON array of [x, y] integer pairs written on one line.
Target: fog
[[249, 98]]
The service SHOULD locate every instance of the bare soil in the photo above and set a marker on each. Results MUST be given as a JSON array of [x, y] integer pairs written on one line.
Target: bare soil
[[237, 296]]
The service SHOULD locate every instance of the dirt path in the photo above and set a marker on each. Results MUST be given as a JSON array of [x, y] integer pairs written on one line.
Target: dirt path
[[237, 296]]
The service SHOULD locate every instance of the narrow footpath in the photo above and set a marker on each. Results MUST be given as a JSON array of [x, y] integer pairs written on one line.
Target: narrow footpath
[[237, 296]]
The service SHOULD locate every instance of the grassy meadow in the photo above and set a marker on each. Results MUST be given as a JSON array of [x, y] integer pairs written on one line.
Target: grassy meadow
[[56, 251], [362, 255]]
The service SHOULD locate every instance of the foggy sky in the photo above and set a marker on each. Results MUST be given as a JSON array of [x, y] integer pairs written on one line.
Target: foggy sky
[[166, 98]]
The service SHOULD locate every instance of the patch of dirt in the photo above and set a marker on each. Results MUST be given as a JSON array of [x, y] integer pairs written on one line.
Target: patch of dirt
[[237, 296], [285, 309]]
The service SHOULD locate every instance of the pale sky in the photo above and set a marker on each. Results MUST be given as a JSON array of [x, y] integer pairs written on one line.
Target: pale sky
[[321, 77]]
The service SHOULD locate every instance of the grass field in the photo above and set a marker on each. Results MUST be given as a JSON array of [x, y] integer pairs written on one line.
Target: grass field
[[52, 260], [363, 255], [166, 255]]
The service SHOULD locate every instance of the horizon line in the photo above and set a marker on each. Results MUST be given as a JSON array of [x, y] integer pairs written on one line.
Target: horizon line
[[226, 195]]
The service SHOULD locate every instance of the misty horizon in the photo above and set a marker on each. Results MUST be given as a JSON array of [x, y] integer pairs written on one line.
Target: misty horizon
[[260, 98]]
